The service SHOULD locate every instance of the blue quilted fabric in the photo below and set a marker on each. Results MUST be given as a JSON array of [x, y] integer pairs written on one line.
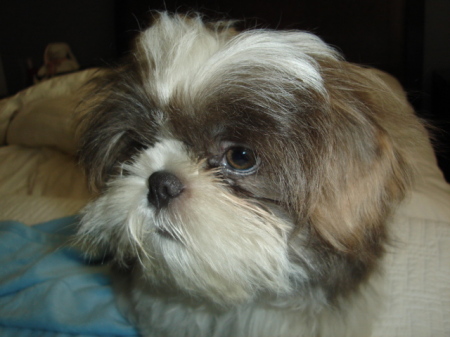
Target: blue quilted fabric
[[47, 289]]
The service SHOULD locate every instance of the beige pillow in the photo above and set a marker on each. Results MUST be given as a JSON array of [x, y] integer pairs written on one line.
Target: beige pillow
[[45, 122], [56, 95]]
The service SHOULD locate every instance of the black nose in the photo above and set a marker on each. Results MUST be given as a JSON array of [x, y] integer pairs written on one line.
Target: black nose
[[162, 187]]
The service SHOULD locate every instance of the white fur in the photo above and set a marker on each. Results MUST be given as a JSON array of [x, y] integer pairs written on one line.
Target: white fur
[[237, 244], [287, 317], [200, 59]]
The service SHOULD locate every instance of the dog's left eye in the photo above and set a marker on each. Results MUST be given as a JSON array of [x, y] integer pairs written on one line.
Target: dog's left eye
[[241, 159]]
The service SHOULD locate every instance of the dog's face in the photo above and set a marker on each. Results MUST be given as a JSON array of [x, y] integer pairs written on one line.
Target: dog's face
[[234, 165]]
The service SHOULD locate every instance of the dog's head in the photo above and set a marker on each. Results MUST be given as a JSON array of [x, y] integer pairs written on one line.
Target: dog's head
[[234, 164]]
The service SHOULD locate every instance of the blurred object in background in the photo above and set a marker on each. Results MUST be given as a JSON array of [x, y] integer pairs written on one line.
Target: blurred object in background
[[58, 59]]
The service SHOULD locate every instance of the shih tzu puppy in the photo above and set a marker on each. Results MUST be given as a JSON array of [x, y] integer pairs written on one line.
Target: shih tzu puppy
[[246, 181]]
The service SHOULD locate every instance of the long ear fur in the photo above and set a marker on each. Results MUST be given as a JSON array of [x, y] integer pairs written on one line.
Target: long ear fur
[[369, 167]]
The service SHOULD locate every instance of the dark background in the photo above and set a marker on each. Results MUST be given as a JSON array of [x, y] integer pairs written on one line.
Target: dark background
[[408, 38]]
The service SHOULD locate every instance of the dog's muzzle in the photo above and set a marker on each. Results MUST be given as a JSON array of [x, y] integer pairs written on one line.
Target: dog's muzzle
[[163, 186]]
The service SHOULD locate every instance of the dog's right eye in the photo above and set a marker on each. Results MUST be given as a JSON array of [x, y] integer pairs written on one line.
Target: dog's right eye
[[241, 160]]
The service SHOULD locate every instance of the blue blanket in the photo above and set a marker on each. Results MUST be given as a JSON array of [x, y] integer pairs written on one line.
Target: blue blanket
[[47, 289]]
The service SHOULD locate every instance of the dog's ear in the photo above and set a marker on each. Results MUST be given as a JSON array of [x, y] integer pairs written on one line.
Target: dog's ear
[[369, 165], [115, 122]]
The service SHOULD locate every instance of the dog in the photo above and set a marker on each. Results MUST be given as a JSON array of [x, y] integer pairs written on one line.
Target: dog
[[246, 181]]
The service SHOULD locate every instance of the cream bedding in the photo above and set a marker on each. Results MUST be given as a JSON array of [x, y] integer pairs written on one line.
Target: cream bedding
[[39, 177], [417, 302], [40, 181]]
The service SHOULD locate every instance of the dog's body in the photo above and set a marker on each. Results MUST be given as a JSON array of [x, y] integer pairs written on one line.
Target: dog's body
[[247, 181]]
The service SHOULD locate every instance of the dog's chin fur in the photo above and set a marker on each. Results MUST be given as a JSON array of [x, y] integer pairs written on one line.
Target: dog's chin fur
[[291, 246]]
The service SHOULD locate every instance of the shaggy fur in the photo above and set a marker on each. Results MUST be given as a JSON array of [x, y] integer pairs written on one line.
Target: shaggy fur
[[278, 168]]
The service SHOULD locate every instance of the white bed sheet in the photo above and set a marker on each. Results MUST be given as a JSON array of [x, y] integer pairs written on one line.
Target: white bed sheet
[[39, 184], [417, 302]]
